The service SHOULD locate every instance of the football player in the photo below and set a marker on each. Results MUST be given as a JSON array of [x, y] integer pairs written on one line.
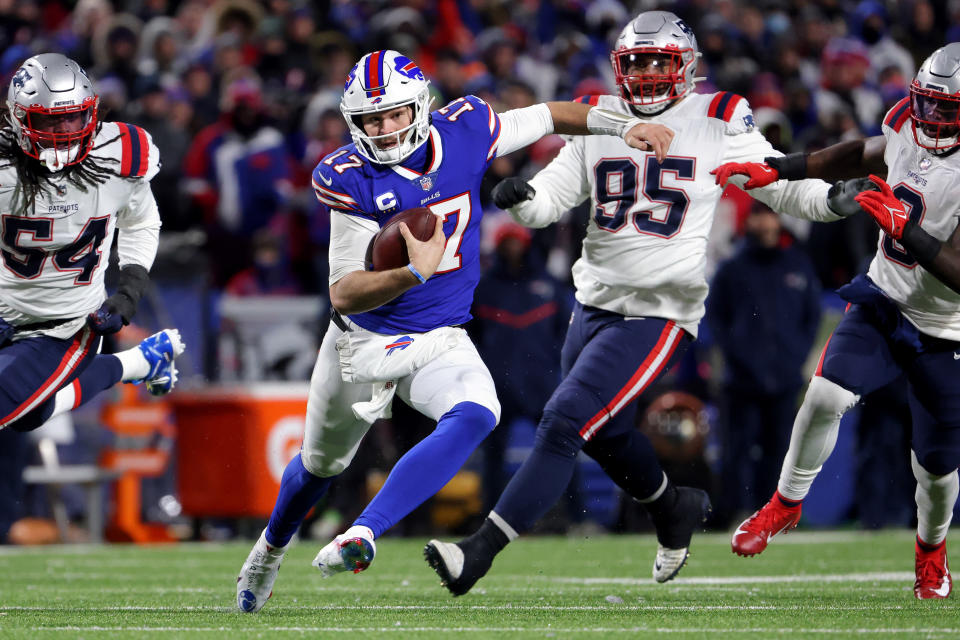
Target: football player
[[67, 180], [904, 314], [398, 330], [640, 288]]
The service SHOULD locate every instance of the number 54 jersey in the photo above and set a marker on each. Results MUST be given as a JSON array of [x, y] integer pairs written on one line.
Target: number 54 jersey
[[644, 253], [54, 251]]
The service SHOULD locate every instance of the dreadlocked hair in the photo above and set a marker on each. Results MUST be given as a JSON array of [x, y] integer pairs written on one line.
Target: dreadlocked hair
[[33, 179]]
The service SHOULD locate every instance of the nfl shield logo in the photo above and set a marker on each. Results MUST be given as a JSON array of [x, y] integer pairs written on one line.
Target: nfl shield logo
[[426, 182]]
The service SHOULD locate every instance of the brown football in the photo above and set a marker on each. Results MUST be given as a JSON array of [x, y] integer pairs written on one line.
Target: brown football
[[387, 249]]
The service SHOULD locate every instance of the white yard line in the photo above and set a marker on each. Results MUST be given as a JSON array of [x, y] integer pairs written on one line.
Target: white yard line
[[601, 630], [875, 576]]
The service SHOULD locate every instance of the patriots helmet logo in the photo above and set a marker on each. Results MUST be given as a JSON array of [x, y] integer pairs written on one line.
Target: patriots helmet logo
[[407, 67], [20, 78]]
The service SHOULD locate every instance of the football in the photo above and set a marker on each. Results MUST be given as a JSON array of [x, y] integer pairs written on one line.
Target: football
[[387, 249]]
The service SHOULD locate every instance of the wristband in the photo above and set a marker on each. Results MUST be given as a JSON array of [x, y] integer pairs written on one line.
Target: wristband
[[610, 123], [792, 166], [921, 245], [414, 271]]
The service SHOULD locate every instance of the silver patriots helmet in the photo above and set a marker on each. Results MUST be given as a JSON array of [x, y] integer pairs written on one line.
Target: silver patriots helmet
[[53, 110], [935, 100], [654, 61]]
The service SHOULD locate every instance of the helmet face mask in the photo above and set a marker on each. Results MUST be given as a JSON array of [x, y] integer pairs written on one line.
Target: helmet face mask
[[53, 110], [935, 101], [378, 84], [650, 76], [936, 118], [654, 61]]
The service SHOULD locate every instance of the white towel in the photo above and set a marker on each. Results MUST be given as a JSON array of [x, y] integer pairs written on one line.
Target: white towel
[[373, 357]]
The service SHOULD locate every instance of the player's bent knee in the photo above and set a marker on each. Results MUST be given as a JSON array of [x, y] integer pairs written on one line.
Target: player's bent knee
[[558, 434], [323, 466], [476, 417], [935, 467], [31, 420], [824, 396]]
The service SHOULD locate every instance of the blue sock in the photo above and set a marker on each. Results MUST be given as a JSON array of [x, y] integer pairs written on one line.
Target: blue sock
[[299, 491], [102, 373], [543, 476], [428, 466]]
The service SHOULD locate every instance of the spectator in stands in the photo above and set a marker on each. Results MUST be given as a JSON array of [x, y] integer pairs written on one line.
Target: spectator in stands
[[270, 274], [173, 140], [764, 310], [239, 174]]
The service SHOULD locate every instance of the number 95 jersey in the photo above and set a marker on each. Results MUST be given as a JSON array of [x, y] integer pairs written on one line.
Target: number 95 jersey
[[644, 253], [55, 252]]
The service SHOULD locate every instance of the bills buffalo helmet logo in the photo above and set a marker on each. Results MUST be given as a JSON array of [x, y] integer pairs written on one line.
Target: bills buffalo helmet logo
[[407, 67]]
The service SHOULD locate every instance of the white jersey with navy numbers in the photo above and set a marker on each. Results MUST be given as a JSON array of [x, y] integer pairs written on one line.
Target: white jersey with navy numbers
[[644, 253], [927, 186], [54, 254]]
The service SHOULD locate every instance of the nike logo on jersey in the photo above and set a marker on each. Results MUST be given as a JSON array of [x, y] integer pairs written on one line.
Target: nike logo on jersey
[[326, 181], [956, 356]]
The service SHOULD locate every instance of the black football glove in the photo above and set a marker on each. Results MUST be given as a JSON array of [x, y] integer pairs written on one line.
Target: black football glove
[[841, 196], [511, 192], [792, 166], [6, 331], [118, 309]]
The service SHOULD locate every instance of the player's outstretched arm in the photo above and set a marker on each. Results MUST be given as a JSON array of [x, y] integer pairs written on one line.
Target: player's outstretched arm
[[942, 259], [841, 161], [577, 119], [361, 291]]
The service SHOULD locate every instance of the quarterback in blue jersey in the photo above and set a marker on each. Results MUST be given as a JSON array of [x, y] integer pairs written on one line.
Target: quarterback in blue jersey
[[397, 331]]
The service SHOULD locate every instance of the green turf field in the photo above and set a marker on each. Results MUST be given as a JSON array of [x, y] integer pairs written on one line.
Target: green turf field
[[806, 585]]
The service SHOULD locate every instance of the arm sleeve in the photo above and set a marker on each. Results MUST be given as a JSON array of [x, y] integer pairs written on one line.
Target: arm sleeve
[[522, 127], [138, 227], [349, 237], [805, 199], [560, 186]]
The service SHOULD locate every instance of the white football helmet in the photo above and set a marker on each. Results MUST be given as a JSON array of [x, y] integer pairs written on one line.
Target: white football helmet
[[935, 100], [53, 110], [664, 48], [381, 81]]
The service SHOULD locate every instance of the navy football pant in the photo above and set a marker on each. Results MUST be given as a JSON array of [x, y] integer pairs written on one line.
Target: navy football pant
[[33, 369], [861, 357], [607, 362]]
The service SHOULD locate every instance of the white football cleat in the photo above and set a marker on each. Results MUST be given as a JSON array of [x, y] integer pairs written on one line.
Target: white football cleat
[[259, 572], [669, 562], [352, 550], [690, 511]]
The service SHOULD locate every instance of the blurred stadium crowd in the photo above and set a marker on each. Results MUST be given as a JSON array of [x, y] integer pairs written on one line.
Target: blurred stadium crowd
[[242, 98]]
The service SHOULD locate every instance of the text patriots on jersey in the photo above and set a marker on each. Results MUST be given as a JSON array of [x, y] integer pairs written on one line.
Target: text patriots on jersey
[[63, 208]]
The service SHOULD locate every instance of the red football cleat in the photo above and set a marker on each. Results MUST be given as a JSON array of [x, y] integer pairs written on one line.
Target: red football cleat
[[933, 574], [753, 534]]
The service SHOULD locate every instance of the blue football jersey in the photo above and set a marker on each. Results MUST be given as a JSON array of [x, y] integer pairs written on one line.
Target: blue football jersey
[[444, 174]]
